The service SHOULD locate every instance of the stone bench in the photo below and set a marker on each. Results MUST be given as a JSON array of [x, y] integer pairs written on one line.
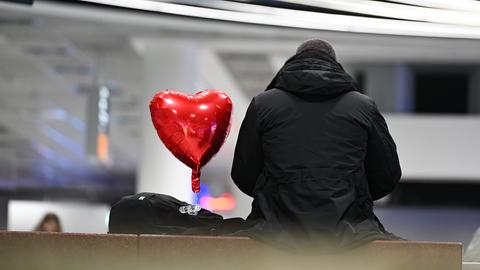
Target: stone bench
[[52, 251]]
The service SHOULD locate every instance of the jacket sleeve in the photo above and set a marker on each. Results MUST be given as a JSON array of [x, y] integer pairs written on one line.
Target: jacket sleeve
[[381, 163], [248, 158]]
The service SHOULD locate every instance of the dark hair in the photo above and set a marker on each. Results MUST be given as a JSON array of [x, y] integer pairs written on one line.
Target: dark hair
[[318, 45], [48, 217]]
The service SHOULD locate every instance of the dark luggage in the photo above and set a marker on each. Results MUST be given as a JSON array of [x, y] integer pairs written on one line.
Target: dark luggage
[[151, 213]]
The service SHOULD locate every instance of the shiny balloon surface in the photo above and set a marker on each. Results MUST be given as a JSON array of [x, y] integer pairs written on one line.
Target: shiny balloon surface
[[192, 127]]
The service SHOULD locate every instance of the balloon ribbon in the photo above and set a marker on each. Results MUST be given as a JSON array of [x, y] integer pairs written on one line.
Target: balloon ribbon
[[196, 179]]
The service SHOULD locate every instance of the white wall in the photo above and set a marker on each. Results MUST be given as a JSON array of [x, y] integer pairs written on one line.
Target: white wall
[[74, 216], [440, 147]]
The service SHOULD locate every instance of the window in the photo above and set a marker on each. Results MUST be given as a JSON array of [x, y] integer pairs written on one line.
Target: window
[[441, 92]]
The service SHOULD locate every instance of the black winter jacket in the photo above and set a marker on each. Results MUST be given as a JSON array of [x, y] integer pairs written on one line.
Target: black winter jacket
[[314, 153]]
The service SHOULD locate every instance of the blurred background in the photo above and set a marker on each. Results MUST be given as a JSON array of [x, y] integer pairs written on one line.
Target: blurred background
[[76, 78]]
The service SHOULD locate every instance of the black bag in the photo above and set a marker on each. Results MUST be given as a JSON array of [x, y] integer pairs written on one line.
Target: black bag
[[151, 213]]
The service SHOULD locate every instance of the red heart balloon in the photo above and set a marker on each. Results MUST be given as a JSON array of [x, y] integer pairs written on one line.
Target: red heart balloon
[[192, 127]]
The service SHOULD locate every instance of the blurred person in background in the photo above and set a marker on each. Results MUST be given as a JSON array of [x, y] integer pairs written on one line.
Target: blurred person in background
[[314, 153], [49, 223]]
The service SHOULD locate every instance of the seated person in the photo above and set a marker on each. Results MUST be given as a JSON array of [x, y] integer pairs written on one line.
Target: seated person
[[314, 153]]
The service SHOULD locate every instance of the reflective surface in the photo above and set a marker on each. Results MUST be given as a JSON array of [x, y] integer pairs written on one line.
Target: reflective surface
[[192, 127]]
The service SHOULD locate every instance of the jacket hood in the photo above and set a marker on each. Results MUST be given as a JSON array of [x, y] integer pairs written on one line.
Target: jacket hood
[[313, 73]]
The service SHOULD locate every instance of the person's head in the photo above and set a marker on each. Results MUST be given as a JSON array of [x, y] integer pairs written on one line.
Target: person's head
[[49, 223], [317, 45]]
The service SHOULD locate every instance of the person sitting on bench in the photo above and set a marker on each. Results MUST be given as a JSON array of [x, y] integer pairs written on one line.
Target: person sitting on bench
[[314, 153]]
